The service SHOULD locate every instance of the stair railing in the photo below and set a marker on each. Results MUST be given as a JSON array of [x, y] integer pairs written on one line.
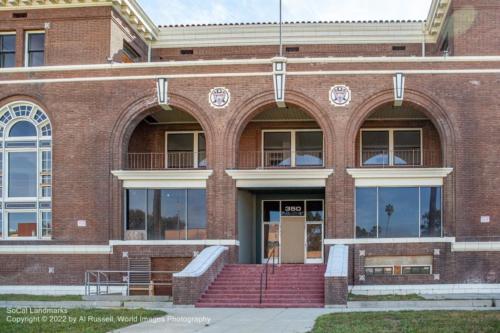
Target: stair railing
[[265, 270]]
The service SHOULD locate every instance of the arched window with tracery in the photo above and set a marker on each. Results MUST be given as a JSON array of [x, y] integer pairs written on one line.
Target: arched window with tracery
[[25, 172]]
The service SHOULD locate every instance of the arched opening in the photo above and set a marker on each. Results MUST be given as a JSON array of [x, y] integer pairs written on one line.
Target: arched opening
[[281, 208], [164, 207], [167, 139], [390, 203], [398, 137], [280, 138]]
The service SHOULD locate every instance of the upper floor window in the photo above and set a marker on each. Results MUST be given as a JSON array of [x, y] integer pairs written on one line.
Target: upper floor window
[[25, 172], [185, 150], [35, 49], [7, 50], [391, 147], [132, 54], [292, 148]]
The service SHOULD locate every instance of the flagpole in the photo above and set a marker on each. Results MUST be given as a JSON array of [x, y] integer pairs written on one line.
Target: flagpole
[[281, 24]]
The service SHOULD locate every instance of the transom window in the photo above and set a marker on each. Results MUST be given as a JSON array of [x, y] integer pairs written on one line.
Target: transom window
[[25, 172], [35, 48], [292, 148], [391, 147], [185, 150], [7, 50]]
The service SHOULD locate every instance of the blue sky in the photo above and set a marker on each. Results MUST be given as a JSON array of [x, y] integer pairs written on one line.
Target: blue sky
[[164, 12]]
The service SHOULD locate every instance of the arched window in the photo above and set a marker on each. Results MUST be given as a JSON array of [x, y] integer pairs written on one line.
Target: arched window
[[22, 128], [25, 172]]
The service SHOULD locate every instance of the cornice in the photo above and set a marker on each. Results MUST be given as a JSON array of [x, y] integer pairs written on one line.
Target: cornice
[[129, 10]]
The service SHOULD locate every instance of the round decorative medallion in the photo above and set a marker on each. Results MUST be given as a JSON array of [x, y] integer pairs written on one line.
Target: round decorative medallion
[[340, 95], [219, 97]]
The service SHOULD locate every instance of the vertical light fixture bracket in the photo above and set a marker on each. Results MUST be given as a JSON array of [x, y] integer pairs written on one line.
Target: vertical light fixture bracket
[[162, 93], [399, 89], [279, 80]]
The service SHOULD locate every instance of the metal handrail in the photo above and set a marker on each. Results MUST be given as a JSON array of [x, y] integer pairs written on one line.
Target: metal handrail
[[101, 280], [265, 270]]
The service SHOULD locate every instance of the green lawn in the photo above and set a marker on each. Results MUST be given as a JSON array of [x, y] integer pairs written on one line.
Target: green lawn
[[410, 322], [73, 320], [25, 297], [410, 297]]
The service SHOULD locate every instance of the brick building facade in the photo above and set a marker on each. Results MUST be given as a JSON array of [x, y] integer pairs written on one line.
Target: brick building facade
[[409, 184]]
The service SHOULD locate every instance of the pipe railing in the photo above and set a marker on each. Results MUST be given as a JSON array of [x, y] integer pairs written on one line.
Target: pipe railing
[[264, 273], [280, 159], [413, 158], [161, 161], [100, 282]]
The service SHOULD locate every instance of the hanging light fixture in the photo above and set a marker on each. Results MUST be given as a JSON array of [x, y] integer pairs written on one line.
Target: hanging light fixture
[[162, 93], [399, 88]]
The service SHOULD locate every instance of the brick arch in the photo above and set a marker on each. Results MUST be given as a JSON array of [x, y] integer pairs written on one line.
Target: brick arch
[[135, 112], [424, 103], [248, 109]]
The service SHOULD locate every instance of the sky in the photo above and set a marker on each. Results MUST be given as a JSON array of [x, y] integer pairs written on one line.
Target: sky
[[167, 12]]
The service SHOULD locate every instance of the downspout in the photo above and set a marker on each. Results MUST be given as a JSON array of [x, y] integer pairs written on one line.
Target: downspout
[[423, 39], [149, 51]]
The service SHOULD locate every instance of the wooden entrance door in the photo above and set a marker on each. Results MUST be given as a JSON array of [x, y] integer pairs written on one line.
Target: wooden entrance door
[[292, 239]]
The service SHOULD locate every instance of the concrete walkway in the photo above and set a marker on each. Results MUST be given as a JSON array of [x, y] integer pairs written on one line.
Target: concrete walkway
[[206, 320]]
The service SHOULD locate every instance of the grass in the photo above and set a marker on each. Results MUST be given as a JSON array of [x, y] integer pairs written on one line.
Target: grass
[[25, 297], [410, 297], [410, 322], [73, 320]]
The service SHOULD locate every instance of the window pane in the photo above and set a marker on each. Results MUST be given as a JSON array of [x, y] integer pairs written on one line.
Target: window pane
[[22, 174], [375, 147], [430, 210], [309, 148], [277, 149], [8, 43], [180, 150], [8, 60], [36, 42], [202, 150], [22, 128], [271, 237], [398, 212], [136, 209], [407, 147], [36, 59], [314, 241], [22, 224], [46, 224], [271, 211], [366, 212], [197, 214], [167, 209], [314, 211]]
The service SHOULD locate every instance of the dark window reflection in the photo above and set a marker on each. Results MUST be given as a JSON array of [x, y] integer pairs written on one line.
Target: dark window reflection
[[36, 49], [197, 214], [430, 212], [366, 212], [375, 147], [398, 212], [271, 211], [136, 203], [314, 211]]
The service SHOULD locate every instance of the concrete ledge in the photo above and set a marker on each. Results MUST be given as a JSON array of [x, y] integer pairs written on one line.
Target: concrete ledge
[[426, 289], [422, 304], [336, 287], [191, 283]]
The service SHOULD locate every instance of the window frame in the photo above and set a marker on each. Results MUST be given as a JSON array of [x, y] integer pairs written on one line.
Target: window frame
[[419, 211], [430, 269], [390, 131], [9, 33], [293, 146], [26, 46], [196, 151], [38, 200]]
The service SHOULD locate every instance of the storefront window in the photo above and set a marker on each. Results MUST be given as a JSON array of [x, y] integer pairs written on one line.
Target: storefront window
[[390, 212], [174, 214]]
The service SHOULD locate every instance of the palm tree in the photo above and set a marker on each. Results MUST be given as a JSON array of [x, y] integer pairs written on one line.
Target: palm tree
[[389, 210]]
